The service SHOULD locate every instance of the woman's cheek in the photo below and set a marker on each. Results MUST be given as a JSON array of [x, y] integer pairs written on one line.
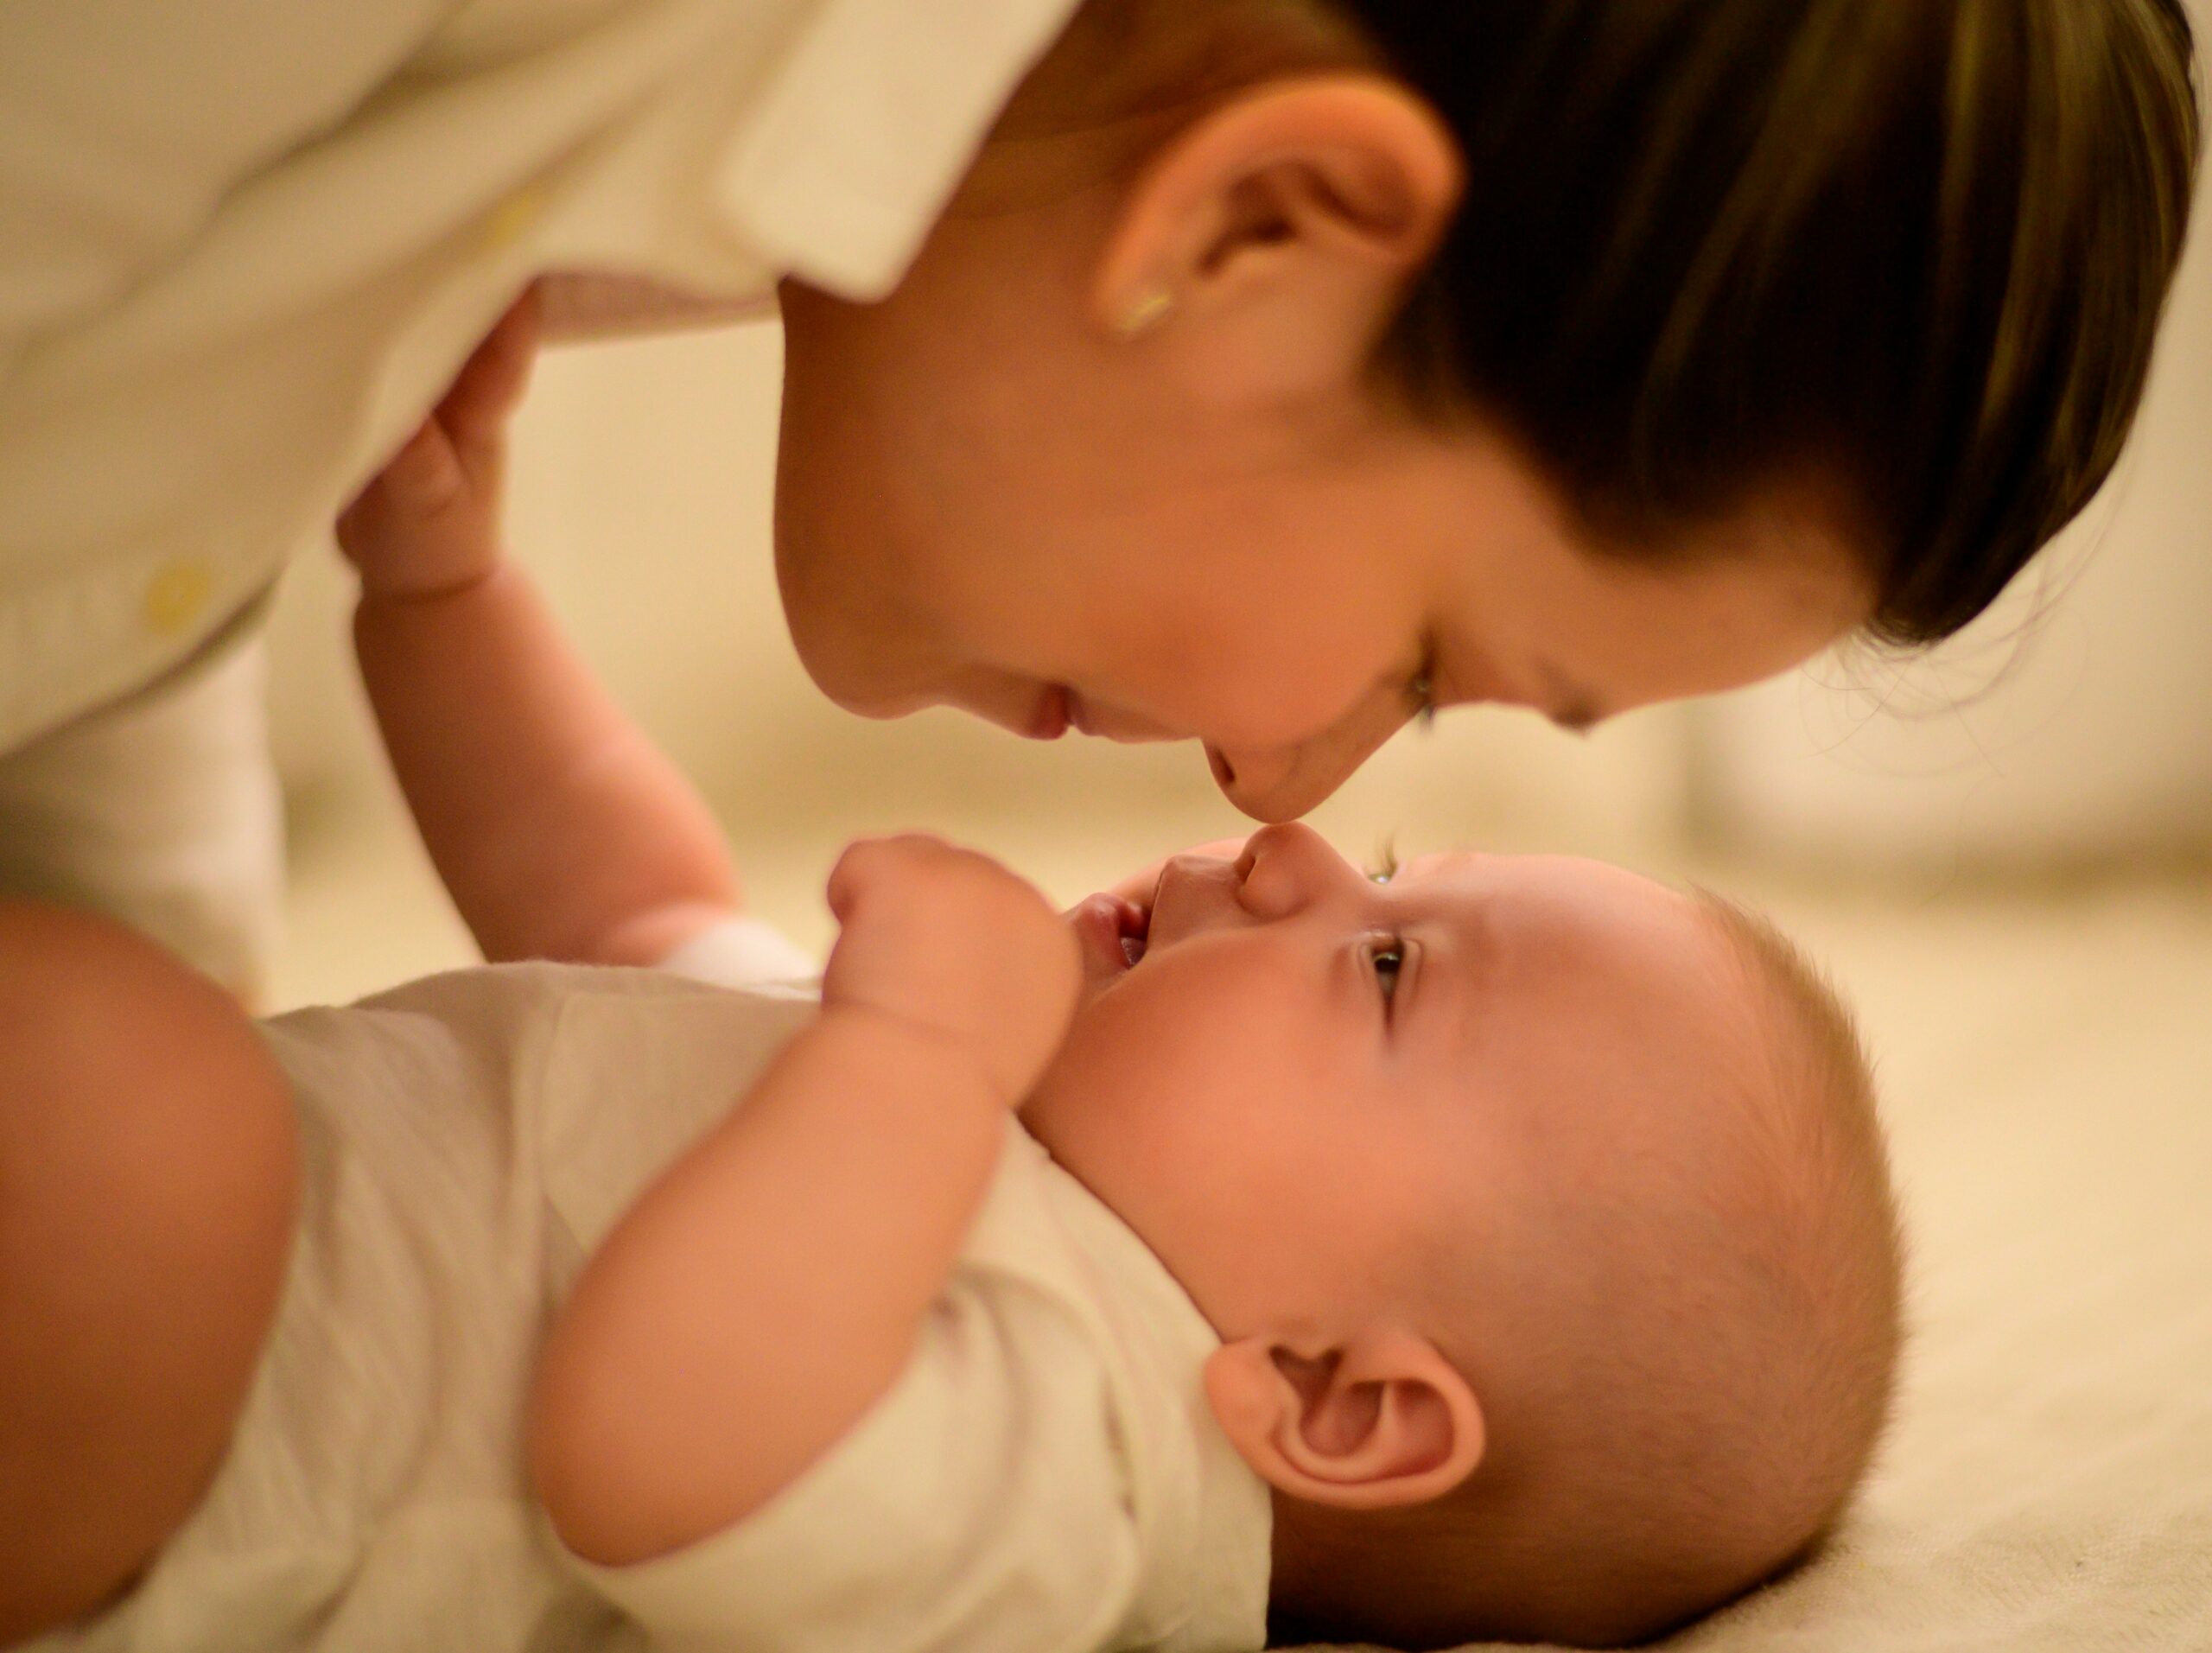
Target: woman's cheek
[[1280, 707]]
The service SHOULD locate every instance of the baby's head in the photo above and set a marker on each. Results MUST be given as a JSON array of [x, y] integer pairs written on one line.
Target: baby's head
[[1541, 1210]]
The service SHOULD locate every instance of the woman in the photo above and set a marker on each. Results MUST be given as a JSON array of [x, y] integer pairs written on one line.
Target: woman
[[1263, 373]]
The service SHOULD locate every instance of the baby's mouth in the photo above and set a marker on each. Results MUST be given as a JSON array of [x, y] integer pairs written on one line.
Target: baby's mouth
[[1136, 932], [1132, 928], [1113, 931]]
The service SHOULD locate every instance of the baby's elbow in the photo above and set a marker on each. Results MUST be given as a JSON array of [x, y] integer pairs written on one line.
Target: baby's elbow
[[607, 1463], [574, 1450]]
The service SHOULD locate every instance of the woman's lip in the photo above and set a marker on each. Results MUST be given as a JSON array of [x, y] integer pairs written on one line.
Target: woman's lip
[[1050, 721], [1115, 724]]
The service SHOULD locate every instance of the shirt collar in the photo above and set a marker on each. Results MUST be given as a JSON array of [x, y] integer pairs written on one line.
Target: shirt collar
[[1205, 1520], [838, 173]]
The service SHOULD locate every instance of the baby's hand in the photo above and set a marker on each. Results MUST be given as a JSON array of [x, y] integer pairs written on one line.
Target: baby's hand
[[428, 523], [951, 944]]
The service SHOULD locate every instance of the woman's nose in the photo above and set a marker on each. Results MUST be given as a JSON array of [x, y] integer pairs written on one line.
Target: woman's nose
[[1285, 782], [1287, 868]]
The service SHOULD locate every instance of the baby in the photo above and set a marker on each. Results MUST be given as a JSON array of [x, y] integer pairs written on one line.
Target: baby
[[1500, 1249]]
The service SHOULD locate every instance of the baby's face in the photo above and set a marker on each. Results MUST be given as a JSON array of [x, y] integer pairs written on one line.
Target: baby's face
[[1306, 1072]]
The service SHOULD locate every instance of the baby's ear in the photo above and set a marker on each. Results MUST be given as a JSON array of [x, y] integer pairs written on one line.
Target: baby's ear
[[1382, 1420]]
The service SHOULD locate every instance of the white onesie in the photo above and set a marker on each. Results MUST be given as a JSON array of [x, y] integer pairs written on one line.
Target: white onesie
[[1044, 1475]]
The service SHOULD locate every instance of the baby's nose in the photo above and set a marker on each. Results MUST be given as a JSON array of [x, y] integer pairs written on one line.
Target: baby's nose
[[1285, 869]]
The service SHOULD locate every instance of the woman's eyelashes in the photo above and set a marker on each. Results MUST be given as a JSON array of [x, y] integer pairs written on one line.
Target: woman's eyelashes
[[1420, 692], [1384, 867]]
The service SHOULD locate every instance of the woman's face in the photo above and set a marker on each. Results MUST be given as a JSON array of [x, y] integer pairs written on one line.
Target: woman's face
[[987, 500]]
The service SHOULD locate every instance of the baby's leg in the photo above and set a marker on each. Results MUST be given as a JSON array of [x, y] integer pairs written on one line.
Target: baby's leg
[[147, 1179]]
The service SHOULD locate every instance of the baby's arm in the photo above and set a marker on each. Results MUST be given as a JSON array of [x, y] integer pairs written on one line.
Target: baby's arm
[[770, 1288], [559, 830]]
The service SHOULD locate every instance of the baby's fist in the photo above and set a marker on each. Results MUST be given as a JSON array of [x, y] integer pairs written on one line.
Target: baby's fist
[[428, 523], [953, 946]]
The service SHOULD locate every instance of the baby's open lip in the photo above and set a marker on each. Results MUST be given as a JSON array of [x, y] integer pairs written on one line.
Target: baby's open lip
[[1136, 930], [1112, 929]]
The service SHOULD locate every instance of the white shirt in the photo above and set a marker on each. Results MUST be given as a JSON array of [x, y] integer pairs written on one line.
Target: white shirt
[[1045, 1477], [245, 244]]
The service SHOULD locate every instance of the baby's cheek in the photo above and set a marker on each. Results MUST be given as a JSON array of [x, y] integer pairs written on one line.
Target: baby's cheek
[[1197, 1045]]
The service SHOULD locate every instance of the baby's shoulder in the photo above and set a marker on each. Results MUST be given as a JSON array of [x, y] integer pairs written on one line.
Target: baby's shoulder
[[493, 1005], [534, 1036]]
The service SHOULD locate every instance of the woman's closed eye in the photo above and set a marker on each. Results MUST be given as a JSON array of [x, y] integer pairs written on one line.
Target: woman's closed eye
[[1421, 690]]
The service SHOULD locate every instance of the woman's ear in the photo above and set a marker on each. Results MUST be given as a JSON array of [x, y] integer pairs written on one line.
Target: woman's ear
[[1265, 250], [1382, 1421]]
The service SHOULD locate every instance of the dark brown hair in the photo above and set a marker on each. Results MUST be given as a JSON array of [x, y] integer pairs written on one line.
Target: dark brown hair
[[1918, 249]]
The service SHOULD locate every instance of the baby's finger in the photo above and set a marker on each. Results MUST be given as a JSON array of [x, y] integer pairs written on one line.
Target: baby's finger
[[840, 890], [492, 381], [912, 858], [419, 481], [858, 866]]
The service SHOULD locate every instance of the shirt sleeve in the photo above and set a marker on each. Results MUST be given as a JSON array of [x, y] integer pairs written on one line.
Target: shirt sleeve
[[980, 1505], [742, 952], [123, 124]]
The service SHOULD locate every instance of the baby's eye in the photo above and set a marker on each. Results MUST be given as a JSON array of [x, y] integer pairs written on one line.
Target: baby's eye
[[1387, 958]]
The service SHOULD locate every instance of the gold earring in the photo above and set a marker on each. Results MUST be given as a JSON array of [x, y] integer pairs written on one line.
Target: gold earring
[[1145, 312]]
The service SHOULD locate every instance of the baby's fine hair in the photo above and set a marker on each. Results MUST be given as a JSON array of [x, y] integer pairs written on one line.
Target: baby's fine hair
[[1708, 1391], [1911, 254]]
